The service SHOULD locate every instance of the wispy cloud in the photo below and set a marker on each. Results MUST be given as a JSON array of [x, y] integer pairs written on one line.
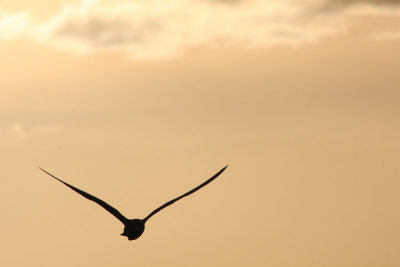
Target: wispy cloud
[[158, 28], [18, 130]]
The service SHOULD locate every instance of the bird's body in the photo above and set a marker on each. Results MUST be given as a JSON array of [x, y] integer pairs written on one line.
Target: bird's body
[[134, 228]]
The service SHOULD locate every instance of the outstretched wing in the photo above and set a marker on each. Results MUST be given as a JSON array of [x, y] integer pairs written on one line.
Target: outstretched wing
[[110, 209], [184, 195]]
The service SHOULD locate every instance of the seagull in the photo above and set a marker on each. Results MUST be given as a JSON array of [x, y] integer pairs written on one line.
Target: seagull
[[134, 228]]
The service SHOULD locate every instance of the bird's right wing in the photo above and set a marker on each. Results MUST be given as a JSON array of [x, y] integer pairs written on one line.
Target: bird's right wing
[[106, 206], [184, 195]]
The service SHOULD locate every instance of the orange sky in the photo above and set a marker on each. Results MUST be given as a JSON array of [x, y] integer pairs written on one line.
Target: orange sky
[[137, 103]]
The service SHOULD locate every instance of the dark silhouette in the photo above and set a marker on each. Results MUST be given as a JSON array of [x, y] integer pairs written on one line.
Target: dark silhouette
[[133, 228]]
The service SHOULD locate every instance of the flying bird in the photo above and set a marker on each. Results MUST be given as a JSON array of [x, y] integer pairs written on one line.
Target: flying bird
[[134, 228]]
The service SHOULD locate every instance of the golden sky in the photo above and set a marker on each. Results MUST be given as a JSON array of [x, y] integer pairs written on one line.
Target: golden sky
[[139, 101]]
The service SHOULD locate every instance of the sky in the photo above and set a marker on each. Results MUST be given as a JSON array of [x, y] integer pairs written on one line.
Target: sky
[[136, 102]]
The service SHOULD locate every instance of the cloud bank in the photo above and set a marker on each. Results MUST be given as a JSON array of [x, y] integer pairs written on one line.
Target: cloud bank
[[159, 29]]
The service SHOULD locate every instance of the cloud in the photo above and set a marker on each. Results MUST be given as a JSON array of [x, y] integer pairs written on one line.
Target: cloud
[[93, 27], [12, 25], [17, 129], [162, 29], [159, 29]]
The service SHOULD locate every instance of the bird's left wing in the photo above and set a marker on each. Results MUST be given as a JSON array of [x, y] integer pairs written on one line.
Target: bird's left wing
[[184, 195], [106, 206]]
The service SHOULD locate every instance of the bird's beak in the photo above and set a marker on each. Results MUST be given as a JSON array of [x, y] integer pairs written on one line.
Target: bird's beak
[[123, 234]]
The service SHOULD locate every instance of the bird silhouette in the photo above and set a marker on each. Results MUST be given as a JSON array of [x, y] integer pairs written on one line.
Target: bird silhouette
[[134, 228]]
